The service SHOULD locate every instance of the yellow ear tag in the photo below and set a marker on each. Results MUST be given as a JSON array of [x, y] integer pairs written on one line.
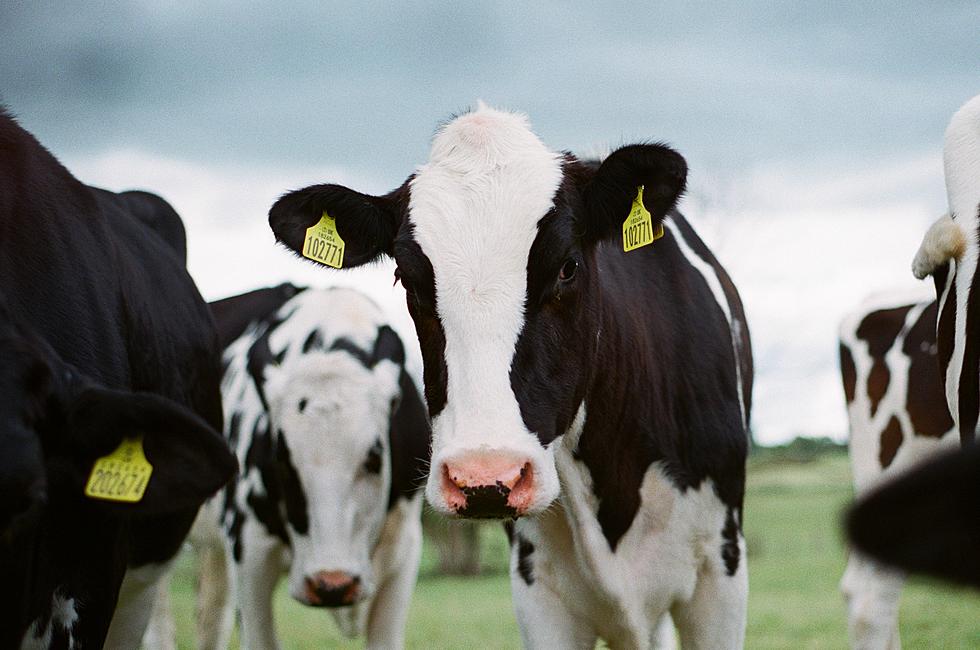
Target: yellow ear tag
[[122, 475], [638, 228], [323, 243]]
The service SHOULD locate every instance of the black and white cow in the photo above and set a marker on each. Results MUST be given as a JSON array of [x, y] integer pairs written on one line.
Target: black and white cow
[[949, 252], [104, 340], [332, 438], [598, 396], [898, 418], [926, 521]]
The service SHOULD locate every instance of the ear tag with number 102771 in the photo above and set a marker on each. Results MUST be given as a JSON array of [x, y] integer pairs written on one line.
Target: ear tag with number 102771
[[638, 228], [323, 243], [122, 475]]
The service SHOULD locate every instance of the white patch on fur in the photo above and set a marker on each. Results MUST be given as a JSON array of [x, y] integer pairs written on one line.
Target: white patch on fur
[[872, 591], [475, 207], [714, 283], [63, 615], [942, 242]]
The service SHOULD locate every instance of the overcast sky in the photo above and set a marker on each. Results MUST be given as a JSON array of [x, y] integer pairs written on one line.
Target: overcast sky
[[813, 133]]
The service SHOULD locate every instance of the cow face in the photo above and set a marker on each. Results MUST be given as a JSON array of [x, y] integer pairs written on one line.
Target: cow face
[[495, 240], [330, 416]]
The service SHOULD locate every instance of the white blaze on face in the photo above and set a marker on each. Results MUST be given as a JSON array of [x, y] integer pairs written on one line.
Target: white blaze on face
[[332, 411], [475, 207]]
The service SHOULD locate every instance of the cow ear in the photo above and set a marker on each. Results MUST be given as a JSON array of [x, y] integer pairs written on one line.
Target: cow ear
[[189, 460], [366, 224], [609, 194], [926, 520]]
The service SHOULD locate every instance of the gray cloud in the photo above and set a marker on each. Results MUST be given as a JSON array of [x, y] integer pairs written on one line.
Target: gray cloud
[[363, 86]]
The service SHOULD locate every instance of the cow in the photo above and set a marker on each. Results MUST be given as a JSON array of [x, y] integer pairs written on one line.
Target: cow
[[109, 429], [898, 418], [949, 253], [587, 371], [926, 521], [332, 439]]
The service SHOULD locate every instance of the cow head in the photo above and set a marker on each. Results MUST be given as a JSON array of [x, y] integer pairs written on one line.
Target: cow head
[[494, 239], [55, 423], [330, 414]]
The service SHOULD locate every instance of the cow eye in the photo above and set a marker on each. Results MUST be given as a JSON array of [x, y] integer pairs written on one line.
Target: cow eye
[[568, 269], [302, 405]]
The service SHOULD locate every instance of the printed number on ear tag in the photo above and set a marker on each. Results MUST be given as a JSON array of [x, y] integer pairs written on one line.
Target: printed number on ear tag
[[122, 475], [323, 243], [638, 228]]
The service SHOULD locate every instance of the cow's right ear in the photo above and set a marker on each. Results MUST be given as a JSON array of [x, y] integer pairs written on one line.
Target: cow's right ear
[[366, 224]]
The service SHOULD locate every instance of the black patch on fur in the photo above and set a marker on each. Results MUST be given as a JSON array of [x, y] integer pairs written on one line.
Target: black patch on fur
[[418, 278], [388, 345], [879, 329], [969, 388], [346, 345], [292, 490], [233, 315], [313, 342], [729, 547], [524, 566], [925, 401], [408, 439], [372, 464], [848, 372]]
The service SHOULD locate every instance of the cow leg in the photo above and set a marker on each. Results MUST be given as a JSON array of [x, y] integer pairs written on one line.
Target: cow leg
[[256, 578], [389, 611], [715, 616], [544, 621], [215, 610], [664, 635], [135, 604], [161, 631], [872, 593]]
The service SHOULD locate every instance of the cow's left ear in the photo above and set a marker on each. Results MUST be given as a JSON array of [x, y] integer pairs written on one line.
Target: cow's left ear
[[365, 224], [609, 194], [189, 461]]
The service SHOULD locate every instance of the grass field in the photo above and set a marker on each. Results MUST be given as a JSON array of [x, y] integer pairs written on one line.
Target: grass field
[[796, 558]]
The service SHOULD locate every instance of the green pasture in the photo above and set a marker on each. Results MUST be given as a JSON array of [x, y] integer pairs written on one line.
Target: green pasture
[[796, 558]]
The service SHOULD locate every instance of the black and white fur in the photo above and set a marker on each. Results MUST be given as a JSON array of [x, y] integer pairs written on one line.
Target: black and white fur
[[332, 438], [103, 336], [622, 381], [898, 418]]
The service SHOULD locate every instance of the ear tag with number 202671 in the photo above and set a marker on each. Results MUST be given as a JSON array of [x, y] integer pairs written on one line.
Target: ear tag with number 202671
[[323, 243], [122, 475], [638, 228]]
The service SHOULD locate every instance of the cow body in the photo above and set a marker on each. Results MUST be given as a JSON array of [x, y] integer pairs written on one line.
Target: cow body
[[332, 439], [926, 521], [105, 337], [599, 396], [898, 418]]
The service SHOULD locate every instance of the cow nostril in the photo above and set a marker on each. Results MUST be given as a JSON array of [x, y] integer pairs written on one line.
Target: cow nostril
[[332, 589]]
